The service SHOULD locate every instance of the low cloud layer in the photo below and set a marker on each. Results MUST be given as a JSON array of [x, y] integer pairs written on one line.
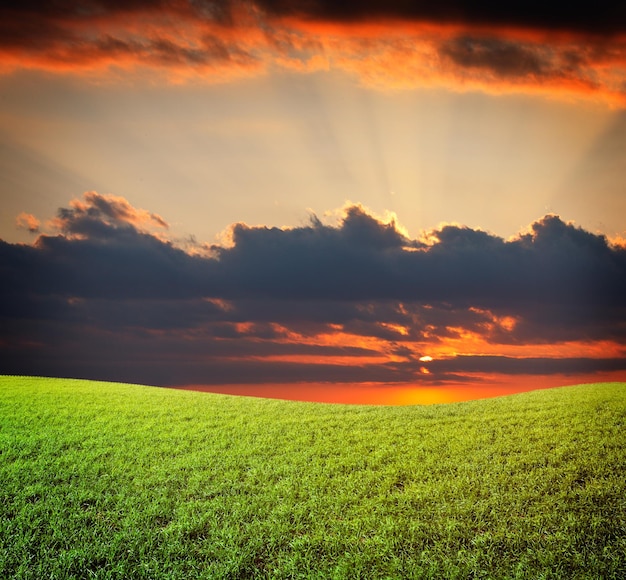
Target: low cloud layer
[[530, 48], [105, 294]]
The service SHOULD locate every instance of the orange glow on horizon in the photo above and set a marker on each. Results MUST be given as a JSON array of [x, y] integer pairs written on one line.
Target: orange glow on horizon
[[400, 394]]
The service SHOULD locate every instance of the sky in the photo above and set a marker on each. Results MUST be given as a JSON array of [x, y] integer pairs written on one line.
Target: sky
[[383, 202]]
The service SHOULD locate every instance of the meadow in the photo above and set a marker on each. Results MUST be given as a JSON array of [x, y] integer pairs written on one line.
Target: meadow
[[103, 480]]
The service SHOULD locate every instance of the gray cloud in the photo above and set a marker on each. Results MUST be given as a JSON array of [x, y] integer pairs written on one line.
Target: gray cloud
[[108, 297], [527, 366], [506, 59]]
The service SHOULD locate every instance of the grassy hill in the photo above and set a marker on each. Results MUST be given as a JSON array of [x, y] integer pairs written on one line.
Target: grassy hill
[[102, 480]]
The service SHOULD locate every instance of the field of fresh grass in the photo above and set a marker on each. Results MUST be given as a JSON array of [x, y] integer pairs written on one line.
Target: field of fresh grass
[[102, 480]]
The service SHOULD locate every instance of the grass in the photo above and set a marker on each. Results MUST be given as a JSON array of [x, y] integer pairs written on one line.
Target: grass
[[102, 480]]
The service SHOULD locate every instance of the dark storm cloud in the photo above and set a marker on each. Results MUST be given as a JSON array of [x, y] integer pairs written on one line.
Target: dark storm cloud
[[42, 24], [101, 253], [169, 372], [110, 294], [555, 264], [52, 349], [605, 16], [121, 263]]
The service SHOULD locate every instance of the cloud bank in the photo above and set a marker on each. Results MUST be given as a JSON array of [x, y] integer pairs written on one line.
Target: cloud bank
[[550, 49], [105, 294]]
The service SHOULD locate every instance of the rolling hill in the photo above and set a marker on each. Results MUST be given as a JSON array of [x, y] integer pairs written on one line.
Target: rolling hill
[[105, 480]]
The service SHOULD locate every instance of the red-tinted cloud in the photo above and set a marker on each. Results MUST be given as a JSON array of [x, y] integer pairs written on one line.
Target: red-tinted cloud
[[110, 297], [498, 48]]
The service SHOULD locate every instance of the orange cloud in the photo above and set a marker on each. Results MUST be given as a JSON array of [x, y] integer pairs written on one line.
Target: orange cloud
[[496, 61], [481, 387], [185, 43], [27, 221], [176, 42]]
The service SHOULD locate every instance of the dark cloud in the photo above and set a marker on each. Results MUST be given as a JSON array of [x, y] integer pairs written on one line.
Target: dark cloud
[[526, 366], [110, 297], [554, 265], [108, 210], [80, 10], [506, 59], [101, 252], [177, 358], [165, 52], [603, 17]]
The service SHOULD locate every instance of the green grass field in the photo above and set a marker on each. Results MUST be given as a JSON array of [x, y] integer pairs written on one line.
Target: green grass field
[[102, 480]]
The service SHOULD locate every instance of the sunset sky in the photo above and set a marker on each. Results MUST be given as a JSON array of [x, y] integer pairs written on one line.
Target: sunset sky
[[369, 201]]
